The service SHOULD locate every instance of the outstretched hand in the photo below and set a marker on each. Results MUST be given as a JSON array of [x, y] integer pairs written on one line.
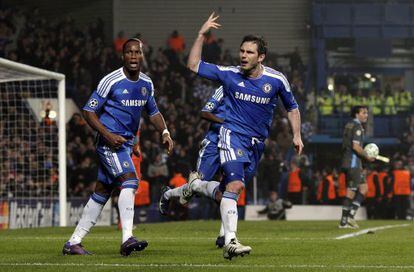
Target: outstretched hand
[[210, 23]]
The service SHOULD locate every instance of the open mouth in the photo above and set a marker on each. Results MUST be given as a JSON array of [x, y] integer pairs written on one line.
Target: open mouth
[[243, 63], [133, 64]]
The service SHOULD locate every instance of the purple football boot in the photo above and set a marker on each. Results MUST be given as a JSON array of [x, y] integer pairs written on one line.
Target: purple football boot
[[132, 244], [74, 249]]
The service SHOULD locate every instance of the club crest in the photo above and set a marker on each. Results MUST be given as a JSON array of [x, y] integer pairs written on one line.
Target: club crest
[[267, 88], [144, 91]]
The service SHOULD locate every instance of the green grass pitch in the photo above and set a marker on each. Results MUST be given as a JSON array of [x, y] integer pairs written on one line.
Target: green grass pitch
[[189, 246]]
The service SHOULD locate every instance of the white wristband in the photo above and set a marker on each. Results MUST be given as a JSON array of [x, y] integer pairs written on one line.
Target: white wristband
[[165, 131]]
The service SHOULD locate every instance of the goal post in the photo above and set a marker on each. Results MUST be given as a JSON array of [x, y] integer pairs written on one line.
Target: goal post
[[23, 77]]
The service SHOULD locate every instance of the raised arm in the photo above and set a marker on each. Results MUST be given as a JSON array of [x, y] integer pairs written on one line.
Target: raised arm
[[195, 52], [294, 120]]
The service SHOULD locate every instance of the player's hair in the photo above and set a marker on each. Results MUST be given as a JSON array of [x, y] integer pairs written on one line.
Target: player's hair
[[356, 109], [259, 41], [130, 40]]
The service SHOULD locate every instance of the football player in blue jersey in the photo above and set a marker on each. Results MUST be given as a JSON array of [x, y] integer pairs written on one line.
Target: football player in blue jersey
[[251, 91], [114, 111], [208, 162]]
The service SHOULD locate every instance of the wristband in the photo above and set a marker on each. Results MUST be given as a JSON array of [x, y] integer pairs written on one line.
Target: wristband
[[165, 131]]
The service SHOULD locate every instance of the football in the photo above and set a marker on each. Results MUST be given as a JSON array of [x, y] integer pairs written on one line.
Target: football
[[372, 150]]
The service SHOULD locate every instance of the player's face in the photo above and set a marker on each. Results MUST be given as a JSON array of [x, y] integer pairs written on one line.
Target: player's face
[[362, 115], [132, 56], [249, 57]]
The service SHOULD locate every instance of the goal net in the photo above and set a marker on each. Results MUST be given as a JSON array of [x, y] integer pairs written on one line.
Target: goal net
[[32, 146]]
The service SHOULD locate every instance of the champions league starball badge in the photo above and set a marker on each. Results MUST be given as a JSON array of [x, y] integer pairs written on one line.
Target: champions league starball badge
[[93, 103], [144, 91], [126, 164], [210, 106], [239, 152], [267, 88]]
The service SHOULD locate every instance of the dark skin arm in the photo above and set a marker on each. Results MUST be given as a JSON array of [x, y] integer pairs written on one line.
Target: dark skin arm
[[136, 149], [211, 117], [158, 121], [113, 140]]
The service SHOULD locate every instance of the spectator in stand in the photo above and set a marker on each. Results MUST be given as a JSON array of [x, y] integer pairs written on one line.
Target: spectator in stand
[[119, 42], [401, 179], [267, 174], [176, 42], [211, 48], [177, 211], [326, 188], [275, 207], [157, 175]]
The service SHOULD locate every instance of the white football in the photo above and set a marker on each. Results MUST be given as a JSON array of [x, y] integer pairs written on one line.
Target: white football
[[372, 150]]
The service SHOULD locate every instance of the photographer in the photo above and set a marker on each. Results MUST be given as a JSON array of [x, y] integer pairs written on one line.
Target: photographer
[[275, 208]]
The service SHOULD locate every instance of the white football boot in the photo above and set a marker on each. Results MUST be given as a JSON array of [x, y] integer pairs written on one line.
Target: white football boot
[[234, 249], [187, 191]]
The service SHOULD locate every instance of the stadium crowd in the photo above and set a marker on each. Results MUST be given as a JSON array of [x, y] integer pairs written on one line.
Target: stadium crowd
[[84, 58], [380, 103]]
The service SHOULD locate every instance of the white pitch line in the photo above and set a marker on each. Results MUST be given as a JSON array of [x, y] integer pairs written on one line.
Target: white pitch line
[[247, 266], [171, 238], [365, 231]]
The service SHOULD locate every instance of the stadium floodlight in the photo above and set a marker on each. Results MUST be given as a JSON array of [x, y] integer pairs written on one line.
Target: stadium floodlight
[[32, 135]]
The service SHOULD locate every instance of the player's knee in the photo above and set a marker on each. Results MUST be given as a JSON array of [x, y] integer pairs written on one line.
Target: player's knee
[[103, 189], [235, 187], [100, 198], [128, 180], [218, 195]]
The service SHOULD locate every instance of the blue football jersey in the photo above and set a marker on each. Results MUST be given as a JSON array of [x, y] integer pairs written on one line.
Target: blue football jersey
[[119, 101], [216, 106], [250, 102]]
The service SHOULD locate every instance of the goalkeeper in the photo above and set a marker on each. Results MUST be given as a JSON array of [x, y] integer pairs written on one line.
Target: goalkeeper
[[353, 153]]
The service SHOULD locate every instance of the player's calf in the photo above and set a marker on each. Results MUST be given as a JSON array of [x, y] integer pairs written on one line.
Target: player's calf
[[163, 203]]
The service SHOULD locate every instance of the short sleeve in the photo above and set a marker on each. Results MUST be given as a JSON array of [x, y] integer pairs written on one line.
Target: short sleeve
[[357, 134], [95, 102], [151, 106], [214, 101], [286, 95], [102, 92], [214, 72]]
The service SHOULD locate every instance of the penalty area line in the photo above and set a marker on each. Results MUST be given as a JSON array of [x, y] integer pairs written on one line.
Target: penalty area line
[[365, 231], [247, 266]]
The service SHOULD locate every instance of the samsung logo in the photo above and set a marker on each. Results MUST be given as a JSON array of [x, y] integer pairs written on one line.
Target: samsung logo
[[133, 102], [252, 98]]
